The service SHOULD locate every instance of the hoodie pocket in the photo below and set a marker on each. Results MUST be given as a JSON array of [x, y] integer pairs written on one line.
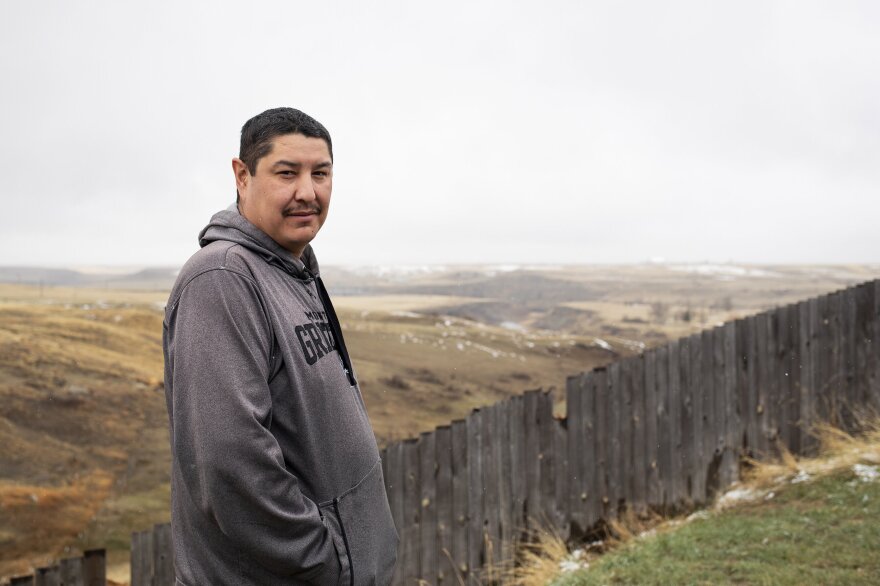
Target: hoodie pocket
[[360, 519], [330, 515]]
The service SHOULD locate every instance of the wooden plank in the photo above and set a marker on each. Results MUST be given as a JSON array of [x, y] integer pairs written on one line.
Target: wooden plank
[[742, 384], [445, 521], [547, 435], [590, 455], [722, 451], [517, 466], [874, 356], [142, 558], [491, 481], [661, 414], [834, 354], [616, 464], [763, 356], [507, 531], [460, 498], [849, 332], [476, 539], [792, 402], [654, 492], [575, 394], [711, 456], [561, 472], [22, 580], [697, 392], [395, 486], [163, 556], [676, 484], [625, 419], [532, 465], [71, 571], [410, 536], [862, 388], [428, 496], [95, 567], [806, 311], [635, 376], [827, 359], [686, 423], [749, 382], [599, 390], [50, 576], [732, 452]]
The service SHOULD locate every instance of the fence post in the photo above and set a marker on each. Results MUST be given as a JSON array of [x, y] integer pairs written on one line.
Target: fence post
[[71, 570], [95, 567]]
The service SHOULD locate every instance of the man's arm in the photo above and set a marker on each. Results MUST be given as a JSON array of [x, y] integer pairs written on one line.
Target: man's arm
[[220, 345]]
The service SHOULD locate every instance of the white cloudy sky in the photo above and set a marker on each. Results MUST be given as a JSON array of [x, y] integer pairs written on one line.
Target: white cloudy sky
[[481, 131]]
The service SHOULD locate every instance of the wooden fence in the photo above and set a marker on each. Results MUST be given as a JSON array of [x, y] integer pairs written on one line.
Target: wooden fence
[[152, 561], [88, 570], [663, 430]]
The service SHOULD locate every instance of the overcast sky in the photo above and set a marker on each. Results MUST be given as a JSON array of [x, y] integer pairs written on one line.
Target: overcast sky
[[479, 131]]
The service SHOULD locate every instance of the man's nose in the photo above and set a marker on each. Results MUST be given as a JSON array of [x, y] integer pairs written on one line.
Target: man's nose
[[305, 190]]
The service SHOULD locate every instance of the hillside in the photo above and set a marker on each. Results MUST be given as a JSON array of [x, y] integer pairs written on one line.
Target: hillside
[[82, 414], [83, 420]]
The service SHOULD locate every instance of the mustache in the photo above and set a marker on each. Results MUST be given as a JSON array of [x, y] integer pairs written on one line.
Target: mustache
[[315, 209]]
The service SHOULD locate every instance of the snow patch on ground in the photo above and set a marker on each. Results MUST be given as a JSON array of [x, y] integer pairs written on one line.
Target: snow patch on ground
[[576, 560], [866, 473]]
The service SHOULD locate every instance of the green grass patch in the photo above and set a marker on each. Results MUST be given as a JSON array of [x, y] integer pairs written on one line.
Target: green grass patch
[[825, 531]]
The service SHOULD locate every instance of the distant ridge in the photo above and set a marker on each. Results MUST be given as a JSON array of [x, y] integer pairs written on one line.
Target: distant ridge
[[155, 278]]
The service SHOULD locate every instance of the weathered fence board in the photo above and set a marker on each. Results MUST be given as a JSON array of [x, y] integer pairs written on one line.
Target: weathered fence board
[[698, 407], [616, 432], [410, 532], [711, 458], [460, 546], [428, 511], [517, 465], [635, 375], [48, 576], [599, 390], [686, 414], [394, 486], [673, 440], [578, 451], [444, 496], [475, 496]]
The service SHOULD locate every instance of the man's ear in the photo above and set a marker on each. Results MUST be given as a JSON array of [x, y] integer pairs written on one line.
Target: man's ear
[[242, 175]]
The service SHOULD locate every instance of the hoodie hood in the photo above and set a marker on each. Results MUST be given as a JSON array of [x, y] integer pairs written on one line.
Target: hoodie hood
[[229, 225]]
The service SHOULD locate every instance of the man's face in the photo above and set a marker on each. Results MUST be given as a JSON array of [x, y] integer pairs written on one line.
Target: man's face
[[288, 195]]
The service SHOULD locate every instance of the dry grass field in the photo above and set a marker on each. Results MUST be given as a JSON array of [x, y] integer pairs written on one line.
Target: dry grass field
[[82, 416]]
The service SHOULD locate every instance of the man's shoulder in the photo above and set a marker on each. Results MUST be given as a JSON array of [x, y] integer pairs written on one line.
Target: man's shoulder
[[229, 257]]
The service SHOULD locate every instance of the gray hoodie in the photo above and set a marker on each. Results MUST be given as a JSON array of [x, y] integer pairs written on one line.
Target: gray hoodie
[[276, 476]]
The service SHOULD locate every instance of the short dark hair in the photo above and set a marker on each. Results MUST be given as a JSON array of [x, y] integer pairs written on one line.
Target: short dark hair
[[258, 132]]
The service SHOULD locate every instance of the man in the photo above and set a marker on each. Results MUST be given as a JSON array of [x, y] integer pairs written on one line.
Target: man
[[276, 476]]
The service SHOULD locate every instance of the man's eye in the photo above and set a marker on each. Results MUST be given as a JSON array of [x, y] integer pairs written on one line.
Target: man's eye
[[287, 173], [320, 173]]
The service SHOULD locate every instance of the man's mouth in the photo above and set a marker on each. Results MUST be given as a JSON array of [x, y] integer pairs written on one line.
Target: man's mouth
[[302, 213]]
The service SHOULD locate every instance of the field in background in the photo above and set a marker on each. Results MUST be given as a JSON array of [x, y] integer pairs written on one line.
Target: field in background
[[82, 414]]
